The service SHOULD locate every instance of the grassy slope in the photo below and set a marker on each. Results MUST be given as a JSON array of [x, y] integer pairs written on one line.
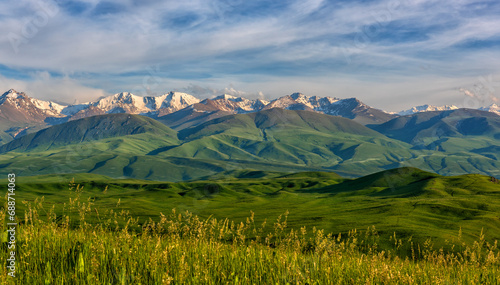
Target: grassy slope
[[9, 129], [261, 141], [184, 249], [455, 123], [461, 141], [298, 137], [272, 140], [407, 201], [89, 129], [460, 130]]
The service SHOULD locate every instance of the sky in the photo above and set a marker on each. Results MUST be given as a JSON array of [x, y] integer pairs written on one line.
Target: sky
[[391, 54]]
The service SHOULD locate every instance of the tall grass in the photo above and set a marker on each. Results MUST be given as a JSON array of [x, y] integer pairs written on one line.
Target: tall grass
[[181, 248]]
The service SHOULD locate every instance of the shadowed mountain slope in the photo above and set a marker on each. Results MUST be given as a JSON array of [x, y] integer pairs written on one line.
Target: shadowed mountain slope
[[89, 129]]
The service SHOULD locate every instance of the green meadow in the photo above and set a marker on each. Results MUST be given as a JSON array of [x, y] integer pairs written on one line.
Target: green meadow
[[407, 201], [403, 226]]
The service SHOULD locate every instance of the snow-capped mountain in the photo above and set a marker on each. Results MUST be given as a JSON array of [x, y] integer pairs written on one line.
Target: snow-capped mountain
[[18, 107], [234, 104], [129, 103], [160, 106], [299, 101], [494, 108], [350, 108], [427, 108]]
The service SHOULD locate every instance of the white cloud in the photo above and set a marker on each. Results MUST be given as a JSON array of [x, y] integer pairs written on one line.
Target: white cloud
[[63, 90], [128, 40], [209, 92], [324, 50]]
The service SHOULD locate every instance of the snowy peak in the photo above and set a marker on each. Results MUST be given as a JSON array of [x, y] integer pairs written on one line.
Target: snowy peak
[[176, 100], [171, 102], [259, 104], [238, 105], [11, 95], [427, 108], [51, 107], [228, 97], [130, 103], [494, 108], [121, 100], [29, 107], [284, 102], [299, 101]]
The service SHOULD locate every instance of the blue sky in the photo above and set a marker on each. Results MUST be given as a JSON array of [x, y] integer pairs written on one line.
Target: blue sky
[[390, 54]]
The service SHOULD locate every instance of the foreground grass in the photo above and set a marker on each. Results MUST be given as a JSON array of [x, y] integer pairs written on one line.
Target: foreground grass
[[181, 248]]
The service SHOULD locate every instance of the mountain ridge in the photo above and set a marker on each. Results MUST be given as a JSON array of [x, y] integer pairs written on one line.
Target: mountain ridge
[[21, 114], [157, 106], [269, 140], [426, 108], [88, 129]]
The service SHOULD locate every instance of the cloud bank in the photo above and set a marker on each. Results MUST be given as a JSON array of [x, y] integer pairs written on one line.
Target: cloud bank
[[329, 48]]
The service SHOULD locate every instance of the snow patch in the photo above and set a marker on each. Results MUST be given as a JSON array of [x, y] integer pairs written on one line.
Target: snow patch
[[427, 108]]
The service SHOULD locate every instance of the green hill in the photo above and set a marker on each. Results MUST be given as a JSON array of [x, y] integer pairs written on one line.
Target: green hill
[[253, 124], [89, 129], [274, 140], [472, 136], [289, 137], [392, 180], [407, 201], [423, 127]]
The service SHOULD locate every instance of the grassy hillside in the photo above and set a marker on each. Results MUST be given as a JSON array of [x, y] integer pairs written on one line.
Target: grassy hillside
[[182, 248], [463, 141], [122, 145], [276, 118], [291, 137], [407, 201], [9, 129], [197, 115], [420, 128], [89, 129]]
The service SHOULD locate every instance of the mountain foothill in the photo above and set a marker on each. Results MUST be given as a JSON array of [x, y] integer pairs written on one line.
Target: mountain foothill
[[177, 137]]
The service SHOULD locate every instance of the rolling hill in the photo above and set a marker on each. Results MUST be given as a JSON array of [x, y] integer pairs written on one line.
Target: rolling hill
[[406, 201], [123, 145], [420, 127], [301, 138], [453, 131], [89, 129]]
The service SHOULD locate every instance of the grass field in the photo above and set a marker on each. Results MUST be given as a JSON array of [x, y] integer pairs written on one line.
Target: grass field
[[185, 249], [403, 226], [407, 201]]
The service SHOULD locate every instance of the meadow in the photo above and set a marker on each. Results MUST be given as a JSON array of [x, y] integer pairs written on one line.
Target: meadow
[[183, 249], [252, 227]]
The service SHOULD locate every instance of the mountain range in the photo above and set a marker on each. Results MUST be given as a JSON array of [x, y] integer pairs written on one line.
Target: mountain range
[[125, 145], [21, 114], [177, 137]]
